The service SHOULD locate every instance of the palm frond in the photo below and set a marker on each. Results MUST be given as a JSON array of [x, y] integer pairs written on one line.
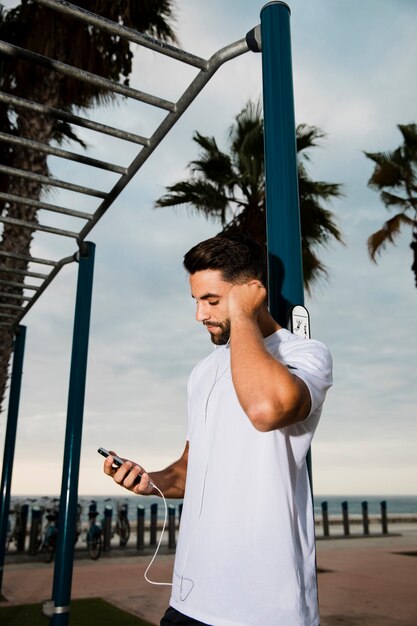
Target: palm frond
[[62, 131], [318, 189], [379, 157], [213, 164], [413, 246], [387, 234], [313, 268], [208, 144], [231, 187], [306, 137], [409, 133], [247, 119], [391, 200], [201, 195], [387, 172]]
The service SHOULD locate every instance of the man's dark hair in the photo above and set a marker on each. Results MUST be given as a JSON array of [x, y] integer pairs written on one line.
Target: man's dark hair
[[237, 256]]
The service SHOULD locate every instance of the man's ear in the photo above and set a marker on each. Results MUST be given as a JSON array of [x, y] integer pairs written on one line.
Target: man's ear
[[256, 281]]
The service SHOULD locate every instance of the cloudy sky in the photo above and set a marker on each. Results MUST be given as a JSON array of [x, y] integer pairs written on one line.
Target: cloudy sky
[[354, 76]]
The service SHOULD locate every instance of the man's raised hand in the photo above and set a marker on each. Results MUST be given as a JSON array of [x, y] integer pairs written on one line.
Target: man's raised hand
[[246, 299]]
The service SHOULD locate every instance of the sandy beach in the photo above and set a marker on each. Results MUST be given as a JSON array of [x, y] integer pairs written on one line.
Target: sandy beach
[[363, 581]]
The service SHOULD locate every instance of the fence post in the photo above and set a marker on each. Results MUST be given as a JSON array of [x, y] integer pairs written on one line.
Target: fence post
[[140, 537], [108, 514], [345, 513], [325, 518], [123, 512], [35, 527], [171, 526], [21, 537], [154, 521], [384, 518], [365, 518]]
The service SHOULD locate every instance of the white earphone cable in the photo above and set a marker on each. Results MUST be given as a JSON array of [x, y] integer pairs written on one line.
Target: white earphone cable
[[153, 582], [145, 575]]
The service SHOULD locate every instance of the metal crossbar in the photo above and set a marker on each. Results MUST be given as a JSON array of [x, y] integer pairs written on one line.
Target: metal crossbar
[[43, 205], [29, 259], [20, 103], [64, 154], [87, 77], [53, 182], [206, 68], [36, 226], [108, 26]]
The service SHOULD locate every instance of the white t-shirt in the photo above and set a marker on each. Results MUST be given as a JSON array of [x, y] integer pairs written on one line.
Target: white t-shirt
[[246, 548]]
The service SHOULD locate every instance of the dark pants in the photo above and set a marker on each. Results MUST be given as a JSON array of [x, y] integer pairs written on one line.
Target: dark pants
[[173, 617]]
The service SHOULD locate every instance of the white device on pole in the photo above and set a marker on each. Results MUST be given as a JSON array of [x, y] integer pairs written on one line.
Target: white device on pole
[[300, 321]]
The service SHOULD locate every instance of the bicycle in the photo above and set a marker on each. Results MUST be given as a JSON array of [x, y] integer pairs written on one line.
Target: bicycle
[[94, 533], [36, 532], [17, 532], [122, 523], [78, 523], [50, 531]]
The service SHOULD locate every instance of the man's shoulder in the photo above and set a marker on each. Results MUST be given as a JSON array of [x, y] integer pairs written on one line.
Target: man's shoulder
[[285, 342], [308, 354], [202, 366]]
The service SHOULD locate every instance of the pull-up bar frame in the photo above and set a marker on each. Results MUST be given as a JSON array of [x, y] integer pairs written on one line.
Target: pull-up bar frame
[[281, 198]]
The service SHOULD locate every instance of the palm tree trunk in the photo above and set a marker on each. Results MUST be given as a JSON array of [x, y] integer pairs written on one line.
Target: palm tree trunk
[[15, 238]]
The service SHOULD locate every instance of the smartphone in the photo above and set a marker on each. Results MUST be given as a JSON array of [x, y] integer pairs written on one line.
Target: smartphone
[[117, 462]]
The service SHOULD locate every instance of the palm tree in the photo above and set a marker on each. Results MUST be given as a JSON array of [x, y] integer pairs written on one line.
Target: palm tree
[[65, 39], [230, 187], [395, 176]]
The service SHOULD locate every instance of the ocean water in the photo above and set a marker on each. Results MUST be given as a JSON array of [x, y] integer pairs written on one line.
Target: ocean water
[[395, 504]]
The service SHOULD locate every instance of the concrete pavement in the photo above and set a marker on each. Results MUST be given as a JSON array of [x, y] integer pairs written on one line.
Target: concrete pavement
[[362, 581]]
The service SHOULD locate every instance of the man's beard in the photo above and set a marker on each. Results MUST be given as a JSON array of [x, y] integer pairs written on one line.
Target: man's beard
[[220, 339]]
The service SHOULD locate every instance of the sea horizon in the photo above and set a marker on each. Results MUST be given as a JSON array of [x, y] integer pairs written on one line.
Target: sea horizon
[[396, 504]]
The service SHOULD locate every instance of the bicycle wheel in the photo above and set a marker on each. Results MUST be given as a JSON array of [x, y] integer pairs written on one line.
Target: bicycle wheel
[[124, 531], [48, 550], [94, 547]]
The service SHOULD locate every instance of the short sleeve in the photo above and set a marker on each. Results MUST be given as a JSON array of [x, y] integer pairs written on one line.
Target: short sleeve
[[311, 361]]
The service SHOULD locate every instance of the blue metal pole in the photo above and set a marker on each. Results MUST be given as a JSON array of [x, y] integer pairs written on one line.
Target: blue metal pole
[[281, 173], [10, 440], [285, 265], [61, 593]]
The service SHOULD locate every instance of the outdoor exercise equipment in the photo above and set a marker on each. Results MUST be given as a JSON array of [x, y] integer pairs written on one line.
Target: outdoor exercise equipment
[[272, 38]]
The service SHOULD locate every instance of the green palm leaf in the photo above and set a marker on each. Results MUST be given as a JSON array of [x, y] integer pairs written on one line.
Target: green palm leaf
[[387, 234], [395, 177], [230, 186]]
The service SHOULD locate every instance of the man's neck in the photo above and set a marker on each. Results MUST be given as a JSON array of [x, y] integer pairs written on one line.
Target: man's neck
[[267, 324]]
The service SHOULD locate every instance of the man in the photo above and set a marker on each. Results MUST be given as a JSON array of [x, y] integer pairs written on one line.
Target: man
[[246, 550]]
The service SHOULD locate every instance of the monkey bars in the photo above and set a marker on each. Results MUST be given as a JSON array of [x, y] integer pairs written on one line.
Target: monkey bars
[[17, 296]]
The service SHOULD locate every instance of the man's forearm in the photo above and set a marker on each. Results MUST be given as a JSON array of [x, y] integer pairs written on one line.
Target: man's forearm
[[171, 481]]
